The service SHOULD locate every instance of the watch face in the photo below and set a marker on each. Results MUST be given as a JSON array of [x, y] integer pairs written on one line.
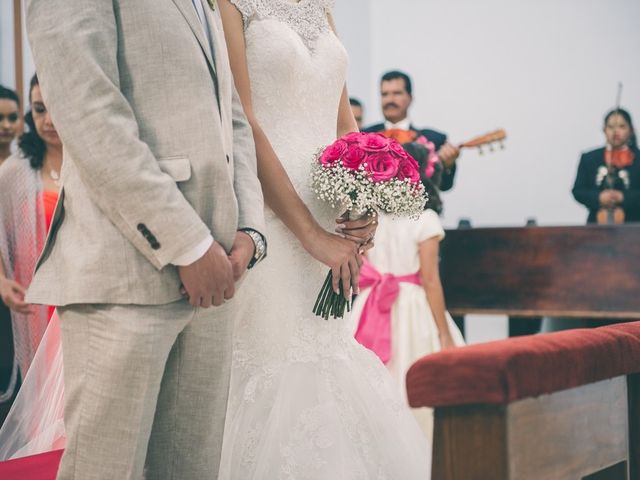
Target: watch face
[[259, 243]]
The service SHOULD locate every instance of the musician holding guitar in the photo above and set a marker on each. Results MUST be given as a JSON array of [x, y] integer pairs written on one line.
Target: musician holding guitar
[[396, 95], [608, 179]]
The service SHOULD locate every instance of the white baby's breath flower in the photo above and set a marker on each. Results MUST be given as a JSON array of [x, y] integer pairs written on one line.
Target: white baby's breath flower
[[354, 191]]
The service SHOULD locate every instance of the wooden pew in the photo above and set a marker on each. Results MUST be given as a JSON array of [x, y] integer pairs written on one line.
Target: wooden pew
[[562, 406], [582, 272]]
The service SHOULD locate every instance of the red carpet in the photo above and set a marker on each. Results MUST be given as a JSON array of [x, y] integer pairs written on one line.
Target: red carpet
[[36, 467]]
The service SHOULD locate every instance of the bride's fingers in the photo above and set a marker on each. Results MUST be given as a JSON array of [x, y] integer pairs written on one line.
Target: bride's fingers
[[335, 279], [345, 272], [356, 228], [353, 238], [367, 246], [354, 269]]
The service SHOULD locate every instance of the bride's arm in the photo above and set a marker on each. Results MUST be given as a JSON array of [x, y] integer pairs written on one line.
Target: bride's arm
[[279, 193], [429, 272]]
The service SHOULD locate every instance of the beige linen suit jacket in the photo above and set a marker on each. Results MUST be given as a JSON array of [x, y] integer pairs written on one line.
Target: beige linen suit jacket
[[157, 150]]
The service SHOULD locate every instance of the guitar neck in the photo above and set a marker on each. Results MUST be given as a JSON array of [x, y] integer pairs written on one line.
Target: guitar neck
[[488, 138]]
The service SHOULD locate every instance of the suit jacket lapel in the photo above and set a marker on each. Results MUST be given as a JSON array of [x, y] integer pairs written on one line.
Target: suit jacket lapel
[[189, 13], [217, 38]]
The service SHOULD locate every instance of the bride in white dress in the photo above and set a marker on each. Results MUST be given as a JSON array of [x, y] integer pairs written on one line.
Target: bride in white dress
[[306, 400]]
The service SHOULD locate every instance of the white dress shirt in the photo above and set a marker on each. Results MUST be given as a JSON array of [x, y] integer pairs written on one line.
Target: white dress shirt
[[404, 124]]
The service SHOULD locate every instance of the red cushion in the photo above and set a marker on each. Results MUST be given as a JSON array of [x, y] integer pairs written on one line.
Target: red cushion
[[507, 370], [36, 467]]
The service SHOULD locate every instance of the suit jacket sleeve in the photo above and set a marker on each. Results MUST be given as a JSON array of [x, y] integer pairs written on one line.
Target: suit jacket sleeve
[[74, 45], [378, 127], [448, 175], [246, 183], [584, 189]]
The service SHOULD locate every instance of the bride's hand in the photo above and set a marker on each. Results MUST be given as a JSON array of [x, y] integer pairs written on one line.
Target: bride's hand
[[340, 255], [361, 231]]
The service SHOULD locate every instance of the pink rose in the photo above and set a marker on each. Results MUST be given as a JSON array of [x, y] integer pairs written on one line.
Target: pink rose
[[352, 137], [374, 142], [430, 170], [412, 161], [354, 157], [397, 149], [382, 166], [409, 169], [431, 164], [333, 152]]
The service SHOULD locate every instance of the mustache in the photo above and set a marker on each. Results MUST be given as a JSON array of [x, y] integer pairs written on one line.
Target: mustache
[[390, 105]]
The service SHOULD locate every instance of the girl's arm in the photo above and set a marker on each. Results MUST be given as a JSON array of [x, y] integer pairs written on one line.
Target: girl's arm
[[428, 251]]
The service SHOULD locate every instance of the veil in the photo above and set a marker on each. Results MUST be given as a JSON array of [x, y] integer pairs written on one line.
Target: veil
[[22, 236], [35, 422]]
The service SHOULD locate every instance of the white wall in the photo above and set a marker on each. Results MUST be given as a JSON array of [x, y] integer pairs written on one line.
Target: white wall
[[545, 70], [7, 46]]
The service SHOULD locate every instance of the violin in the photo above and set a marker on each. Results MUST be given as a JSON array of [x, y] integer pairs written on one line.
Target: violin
[[614, 159]]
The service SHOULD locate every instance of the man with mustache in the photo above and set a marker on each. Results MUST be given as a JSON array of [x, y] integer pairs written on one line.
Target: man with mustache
[[396, 97]]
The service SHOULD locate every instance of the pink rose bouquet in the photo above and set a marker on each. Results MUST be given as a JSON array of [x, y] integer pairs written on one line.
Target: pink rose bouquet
[[364, 173]]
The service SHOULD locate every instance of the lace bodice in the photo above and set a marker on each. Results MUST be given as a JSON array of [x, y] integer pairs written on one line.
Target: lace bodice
[[297, 68], [308, 18]]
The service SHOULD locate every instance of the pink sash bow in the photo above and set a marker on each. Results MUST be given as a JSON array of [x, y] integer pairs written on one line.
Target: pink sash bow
[[374, 328]]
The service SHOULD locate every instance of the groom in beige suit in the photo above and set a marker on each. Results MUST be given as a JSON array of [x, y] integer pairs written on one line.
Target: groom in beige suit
[[160, 215]]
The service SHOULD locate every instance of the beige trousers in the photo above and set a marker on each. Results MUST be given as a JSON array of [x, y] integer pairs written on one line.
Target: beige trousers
[[146, 388]]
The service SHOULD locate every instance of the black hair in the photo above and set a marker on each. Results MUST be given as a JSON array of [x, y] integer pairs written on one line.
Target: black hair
[[395, 74], [432, 185], [31, 144], [355, 102], [9, 94], [633, 140]]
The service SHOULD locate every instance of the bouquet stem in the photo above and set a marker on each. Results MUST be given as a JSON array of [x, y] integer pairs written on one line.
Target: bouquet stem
[[329, 303]]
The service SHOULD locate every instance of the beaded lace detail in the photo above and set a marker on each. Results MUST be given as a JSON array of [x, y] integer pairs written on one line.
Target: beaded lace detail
[[308, 18]]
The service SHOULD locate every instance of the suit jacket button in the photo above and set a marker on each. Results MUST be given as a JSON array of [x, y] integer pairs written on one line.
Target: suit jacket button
[[142, 227], [155, 245], [227, 158]]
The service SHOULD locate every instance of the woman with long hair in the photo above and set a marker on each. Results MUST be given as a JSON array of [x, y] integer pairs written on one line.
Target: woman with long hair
[[28, 194], [608, 179]]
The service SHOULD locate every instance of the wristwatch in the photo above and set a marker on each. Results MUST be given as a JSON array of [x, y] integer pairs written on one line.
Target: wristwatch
[[260, 244]]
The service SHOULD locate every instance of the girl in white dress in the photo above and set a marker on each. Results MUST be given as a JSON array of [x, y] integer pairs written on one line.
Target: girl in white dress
[[306, 400], [406, 257]]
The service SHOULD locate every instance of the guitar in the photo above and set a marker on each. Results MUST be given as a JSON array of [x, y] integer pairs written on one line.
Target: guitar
[[408, 136], [491, 138]]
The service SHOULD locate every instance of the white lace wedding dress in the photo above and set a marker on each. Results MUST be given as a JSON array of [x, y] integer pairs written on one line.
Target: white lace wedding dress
[[307, 401]]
